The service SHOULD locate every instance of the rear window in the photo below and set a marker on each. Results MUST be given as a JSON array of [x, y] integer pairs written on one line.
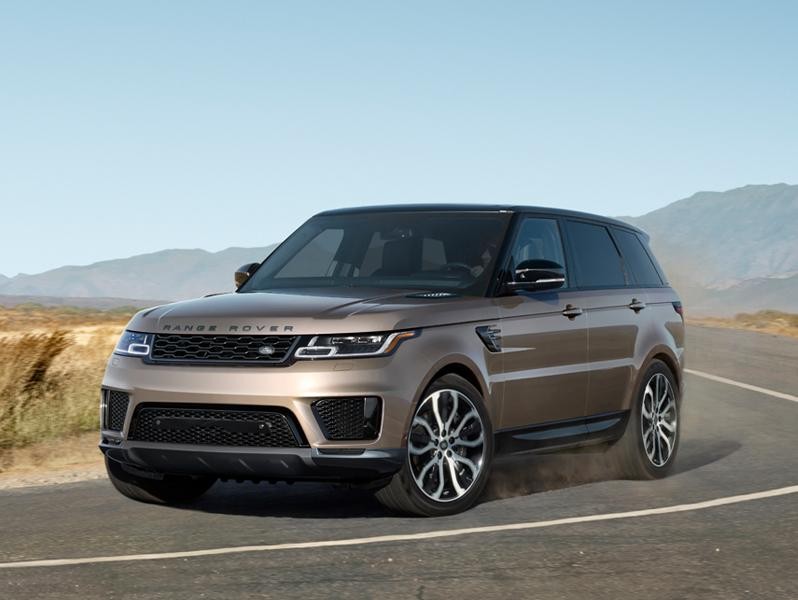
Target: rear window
[[596, 259], [637, 260]]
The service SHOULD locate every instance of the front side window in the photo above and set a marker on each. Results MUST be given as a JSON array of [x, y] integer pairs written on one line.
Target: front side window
[[437, 251], [596, 258], [537, 239]]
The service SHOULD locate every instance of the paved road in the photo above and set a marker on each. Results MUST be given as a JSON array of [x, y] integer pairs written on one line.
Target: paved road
[[734, 442]]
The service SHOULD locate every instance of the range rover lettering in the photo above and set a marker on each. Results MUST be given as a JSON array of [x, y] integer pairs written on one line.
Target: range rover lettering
[[404, 349]]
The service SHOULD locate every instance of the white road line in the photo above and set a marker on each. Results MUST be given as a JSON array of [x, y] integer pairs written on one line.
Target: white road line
[[745, 386], [409, 537]]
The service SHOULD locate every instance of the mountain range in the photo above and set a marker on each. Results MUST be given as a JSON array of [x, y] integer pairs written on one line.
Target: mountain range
[[725, 252], [175, 274]]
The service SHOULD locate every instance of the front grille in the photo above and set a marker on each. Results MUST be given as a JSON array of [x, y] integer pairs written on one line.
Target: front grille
[[348, 418], [225, 349], [116, 404], [222, 426]]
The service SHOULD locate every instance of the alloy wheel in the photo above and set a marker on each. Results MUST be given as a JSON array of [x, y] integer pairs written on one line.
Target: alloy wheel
[[446, 445], [659, 420]]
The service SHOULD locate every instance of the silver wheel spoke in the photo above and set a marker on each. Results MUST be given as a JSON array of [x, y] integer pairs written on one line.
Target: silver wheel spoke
[[665, 439], [453, 472], [453, 412], [469, 443], [420, 478], [669, 426], [646, 410], [436, 410], [467, 462], [441, 481], [464, 421], [419, 451], [422, 423]]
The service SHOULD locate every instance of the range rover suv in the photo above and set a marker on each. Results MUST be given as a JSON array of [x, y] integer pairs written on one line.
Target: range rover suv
[[403, 349]]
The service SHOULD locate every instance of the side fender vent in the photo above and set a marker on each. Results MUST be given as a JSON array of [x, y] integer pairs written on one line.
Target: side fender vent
[[491, 336]]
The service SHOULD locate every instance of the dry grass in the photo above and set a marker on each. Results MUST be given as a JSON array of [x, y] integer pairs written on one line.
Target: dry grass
[[51, 366], [767, 321]]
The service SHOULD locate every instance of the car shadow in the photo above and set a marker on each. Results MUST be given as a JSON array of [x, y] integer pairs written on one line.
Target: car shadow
[[512, 477]]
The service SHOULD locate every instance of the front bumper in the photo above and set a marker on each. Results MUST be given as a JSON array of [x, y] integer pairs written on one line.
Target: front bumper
[[291, 389], [271, 464]]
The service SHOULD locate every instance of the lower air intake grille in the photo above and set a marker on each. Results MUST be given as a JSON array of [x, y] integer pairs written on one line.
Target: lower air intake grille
[[225, 349], [116, 404], [214, 427], [349, 418]]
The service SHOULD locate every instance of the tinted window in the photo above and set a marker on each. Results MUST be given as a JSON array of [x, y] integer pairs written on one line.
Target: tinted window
[[435, 251], [316, 259], [537, 239], [636, 258], [596, 258]]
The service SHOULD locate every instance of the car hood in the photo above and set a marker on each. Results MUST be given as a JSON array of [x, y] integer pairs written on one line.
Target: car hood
[[346, 310]]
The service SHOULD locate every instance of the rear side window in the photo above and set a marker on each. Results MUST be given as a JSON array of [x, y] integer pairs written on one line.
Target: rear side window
[[596, 258], [636, 258]]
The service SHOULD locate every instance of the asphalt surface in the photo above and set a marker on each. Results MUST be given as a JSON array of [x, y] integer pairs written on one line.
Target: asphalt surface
[[734, 441]]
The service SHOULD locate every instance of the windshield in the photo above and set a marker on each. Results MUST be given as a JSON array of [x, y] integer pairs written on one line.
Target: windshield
[[437, 251]]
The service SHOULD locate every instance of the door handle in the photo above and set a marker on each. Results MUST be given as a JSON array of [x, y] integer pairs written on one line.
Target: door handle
[[636, 305], [571, 311]]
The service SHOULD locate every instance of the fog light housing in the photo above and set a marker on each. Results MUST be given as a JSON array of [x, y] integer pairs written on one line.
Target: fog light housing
[[356, 418]]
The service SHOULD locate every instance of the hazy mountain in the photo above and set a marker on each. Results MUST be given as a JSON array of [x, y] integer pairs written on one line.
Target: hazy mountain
[[172, 274], [718, 239]]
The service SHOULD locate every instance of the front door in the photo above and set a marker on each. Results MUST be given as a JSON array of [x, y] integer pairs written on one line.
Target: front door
[[544, 339]]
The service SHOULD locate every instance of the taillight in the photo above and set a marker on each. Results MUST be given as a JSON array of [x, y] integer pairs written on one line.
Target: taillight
[[677, 306]]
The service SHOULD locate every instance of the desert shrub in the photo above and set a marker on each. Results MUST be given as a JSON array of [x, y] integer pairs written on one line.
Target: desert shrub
[[49, 385]]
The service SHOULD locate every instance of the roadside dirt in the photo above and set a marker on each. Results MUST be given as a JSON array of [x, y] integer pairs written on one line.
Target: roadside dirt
[[55, 461]]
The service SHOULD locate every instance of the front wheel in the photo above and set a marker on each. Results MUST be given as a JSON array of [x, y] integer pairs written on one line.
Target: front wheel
[[449, 452], [648, 447], [156, 488]]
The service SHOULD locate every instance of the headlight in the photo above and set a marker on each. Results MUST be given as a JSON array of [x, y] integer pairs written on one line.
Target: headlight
[[355, 345], [133, 343]]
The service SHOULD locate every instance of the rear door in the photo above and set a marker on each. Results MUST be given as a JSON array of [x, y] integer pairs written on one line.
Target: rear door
[[615, 310], [544, 351]]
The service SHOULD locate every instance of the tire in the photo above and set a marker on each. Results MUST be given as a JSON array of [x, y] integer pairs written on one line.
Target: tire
[[158, 489], [632, 454], [461, 406]]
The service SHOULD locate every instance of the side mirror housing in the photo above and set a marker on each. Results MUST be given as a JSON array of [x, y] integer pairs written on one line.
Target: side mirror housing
[[244, 272], [536, 275]]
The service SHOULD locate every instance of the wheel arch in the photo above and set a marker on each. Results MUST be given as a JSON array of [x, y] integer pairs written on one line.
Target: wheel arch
[[464, 367]]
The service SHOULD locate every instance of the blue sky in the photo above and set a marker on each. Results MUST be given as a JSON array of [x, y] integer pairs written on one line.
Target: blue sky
[[133, 127]]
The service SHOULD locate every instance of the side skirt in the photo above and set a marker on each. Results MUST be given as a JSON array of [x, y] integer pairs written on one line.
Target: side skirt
[[561, 435]]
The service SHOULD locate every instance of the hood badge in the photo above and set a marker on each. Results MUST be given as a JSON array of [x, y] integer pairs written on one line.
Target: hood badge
[[198, 328]]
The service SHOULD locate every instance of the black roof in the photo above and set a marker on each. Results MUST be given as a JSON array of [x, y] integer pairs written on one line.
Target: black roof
[[509, 208]]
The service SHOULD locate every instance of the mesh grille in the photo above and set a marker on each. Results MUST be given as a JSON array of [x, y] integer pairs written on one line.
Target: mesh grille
[[116, 409], [255, 349], [348, 418], [213, 427]]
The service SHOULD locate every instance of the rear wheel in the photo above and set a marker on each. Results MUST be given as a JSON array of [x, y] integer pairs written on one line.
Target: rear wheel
[[648, 447], [449, 452], [156, 488]]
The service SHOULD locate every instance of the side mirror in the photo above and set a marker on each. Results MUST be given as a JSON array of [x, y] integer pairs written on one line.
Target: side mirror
[[244, 272], [538, 274]]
